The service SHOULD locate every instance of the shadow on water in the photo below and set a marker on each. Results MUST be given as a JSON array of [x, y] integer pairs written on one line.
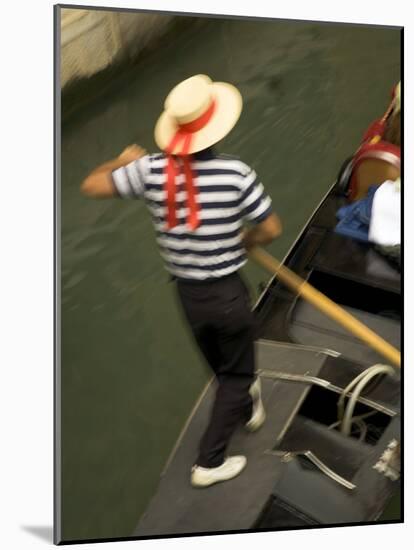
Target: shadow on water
[[44, 532]]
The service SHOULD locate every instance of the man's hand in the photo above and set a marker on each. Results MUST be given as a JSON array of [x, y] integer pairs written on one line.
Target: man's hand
[[99, 182], [263, 233], [131, 153]]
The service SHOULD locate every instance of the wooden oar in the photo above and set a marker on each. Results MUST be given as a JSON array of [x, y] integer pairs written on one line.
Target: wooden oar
[[326, 305]]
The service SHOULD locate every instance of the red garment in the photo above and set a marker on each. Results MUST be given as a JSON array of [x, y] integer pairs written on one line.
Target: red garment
[[381, 150]]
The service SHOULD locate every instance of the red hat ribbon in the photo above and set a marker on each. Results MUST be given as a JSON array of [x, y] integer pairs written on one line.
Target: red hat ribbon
[[184, 136]]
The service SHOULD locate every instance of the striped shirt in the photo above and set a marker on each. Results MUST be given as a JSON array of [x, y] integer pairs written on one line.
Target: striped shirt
[[228, 194]]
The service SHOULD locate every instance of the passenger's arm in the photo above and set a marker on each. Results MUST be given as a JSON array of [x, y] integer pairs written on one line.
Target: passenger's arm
[[99, 183]]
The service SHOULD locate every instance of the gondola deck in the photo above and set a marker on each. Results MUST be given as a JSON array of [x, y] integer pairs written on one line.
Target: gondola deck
[[178, 508]]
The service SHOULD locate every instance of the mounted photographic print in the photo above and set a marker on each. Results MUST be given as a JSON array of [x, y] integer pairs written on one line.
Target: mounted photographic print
[[228, 274]]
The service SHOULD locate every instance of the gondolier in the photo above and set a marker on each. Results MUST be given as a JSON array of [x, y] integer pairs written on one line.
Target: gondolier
[[200, 202]]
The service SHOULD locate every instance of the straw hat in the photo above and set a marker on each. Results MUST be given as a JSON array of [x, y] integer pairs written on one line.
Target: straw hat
[[206, 109]]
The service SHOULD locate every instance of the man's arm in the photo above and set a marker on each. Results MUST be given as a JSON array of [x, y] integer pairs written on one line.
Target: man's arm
[[262, 233], [99, 182], [256, 209]]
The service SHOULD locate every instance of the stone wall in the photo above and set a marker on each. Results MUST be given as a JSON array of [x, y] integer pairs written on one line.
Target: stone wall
[[93, 39]]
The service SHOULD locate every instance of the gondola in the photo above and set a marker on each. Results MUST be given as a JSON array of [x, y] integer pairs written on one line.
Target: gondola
[[329, 451]]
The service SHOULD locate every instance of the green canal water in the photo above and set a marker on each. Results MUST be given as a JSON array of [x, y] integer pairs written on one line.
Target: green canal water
[[130, 371]]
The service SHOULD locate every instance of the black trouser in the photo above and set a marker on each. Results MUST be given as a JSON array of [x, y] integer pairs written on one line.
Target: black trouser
[[223, 325]]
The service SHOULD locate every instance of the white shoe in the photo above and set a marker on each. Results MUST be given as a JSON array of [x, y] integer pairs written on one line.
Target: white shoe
[[258, 415], [231, 467]]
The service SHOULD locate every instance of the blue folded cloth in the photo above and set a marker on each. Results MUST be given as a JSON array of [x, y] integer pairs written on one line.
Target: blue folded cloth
[[354, 218]]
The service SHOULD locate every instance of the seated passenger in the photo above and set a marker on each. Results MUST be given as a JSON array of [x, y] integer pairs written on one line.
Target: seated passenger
[[375, 211], [378, 158]]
